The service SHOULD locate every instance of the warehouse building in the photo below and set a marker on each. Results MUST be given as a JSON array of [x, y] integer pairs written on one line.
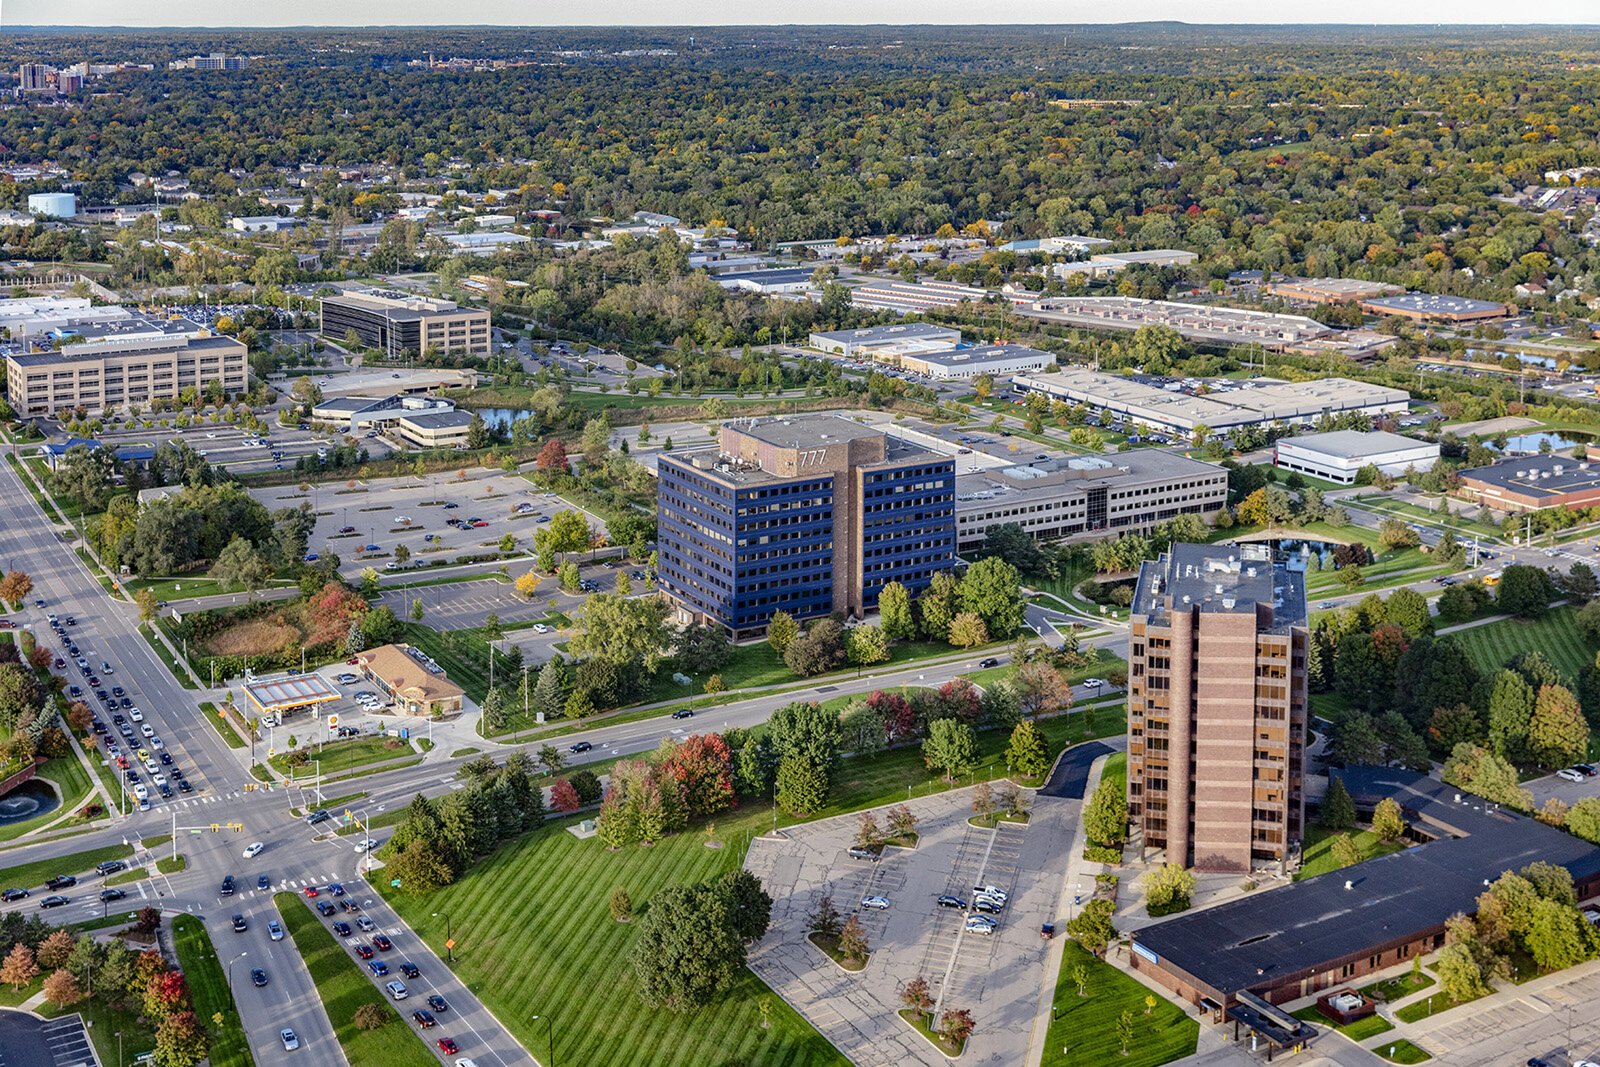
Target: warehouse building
[[265, 223], [1197, 322], [808, 514], [965, 363], [133, 361], [1067, 496], [1251, 404], [903, 336], [1338, 456], [777, 280], [1532, 483], [1328, 290], [1434, 307], [402, 322], [23, 318], [1332, 929], [912, 297]]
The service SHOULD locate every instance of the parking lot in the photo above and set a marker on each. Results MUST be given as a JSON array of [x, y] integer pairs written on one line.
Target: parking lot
[[437, 518], [227, 445], [996, 975]]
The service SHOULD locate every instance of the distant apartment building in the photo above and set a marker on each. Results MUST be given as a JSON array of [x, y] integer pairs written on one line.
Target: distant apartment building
[[112, 369], [214, 61], [1217, 706], [808, 514], [400, 322]]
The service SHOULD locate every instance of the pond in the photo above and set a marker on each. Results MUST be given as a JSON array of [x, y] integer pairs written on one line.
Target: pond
[[501, 417], [1534, 442], [31, 798]]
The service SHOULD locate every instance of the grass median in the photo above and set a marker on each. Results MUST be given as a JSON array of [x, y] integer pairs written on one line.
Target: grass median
[[344, 988], [28, 875], [208, 986]]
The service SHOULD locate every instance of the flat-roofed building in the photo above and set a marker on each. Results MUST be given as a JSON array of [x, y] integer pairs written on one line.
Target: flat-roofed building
[[1340, 455], [1063, 497], [265, 223], [1435, 307], [410, 680], [23, 318], [1250, 404], [432, 429], [912, 297], [1533, 483], [1217, 699], [400, 322], [1198, 322], [1328, 290], [775, 280], [808, 514], [353, 414], [274, 697], [853, 344], [969, 362], [139, 362]]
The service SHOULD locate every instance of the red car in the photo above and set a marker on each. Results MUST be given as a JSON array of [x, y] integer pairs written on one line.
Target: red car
[[353, 661], [364, 952], [448, 1045], [311, 890], [382, 943], [122, 763]]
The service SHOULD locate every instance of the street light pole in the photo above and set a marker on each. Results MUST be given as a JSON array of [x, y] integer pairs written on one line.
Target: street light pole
[[231, 962], [449, 945], [550, 1022]]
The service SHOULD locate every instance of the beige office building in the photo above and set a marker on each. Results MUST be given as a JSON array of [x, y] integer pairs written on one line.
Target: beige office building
[[1217, 704], [101, 375], [402, 322]]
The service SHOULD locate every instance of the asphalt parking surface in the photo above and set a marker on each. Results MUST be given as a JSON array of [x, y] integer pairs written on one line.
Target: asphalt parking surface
[[29, 1041], [1071, 772]]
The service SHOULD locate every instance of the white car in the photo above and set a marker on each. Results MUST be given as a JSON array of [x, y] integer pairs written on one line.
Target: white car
[[254, 849], [146, 729], [141, 792], [366, 846], [156, 742], [875, 903], [991, 891], [274, 930], [1571, 774], [540, 628], [158, 778], [1095, 683], [135, 714], [152, 766], [290, 1039], [978, 924]]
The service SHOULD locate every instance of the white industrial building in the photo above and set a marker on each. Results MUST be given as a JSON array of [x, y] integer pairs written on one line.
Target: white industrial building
[[484, 243], [1197, 322], [1337, 456], [53, 205], [969, 362], [776, 280], [265, 223], [33, 316], [902, 336]]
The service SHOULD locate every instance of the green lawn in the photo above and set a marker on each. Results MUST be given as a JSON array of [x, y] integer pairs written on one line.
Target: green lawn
[[104, 1024], [1409, 564], [1360, 1030], [1429, 1005], [1393, 989], [1426, 516], [1083, 1030], [208, 987], [464, 655], [73, 783], [28, 875], [1556, 635], [340, 756], [1115, 771], [1403, 1051], [1318, 850], [343, 988], [166, 657], [570, 963], [219, 723]]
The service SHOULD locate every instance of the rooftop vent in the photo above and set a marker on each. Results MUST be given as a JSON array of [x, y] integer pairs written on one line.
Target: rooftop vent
[[1228, 602], [1348, 884]]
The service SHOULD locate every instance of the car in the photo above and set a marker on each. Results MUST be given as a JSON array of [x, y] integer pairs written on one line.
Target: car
[[1537, 1062], [979, 924], [987, 904], [382, 943], [875, 903], [448, 1046], [62, 881], [451, 505], [118, 691], [275, 930], [227, 887], [948, 900], [347, 529], [166, 761], [125, 702], [110, 867], [540, 628], [239, 925], [254, 849], [156, 776], [336, 888], [1571, 774], [347, 678], [858, 852], [136, 715], [378, 968], [341, 928], [683, 713], [75, 690], [364, 951], [318, 816], [258, 977], [581, 746], [1095, 683], [13, 894], [438, 1003], [325, 909], [478, 525], [290, 1039], [366, 846], [312, 891], [424, 1018], [410, 970], [146, 730], [39, 603], [397, 990], [184, 787], [349, 905], [60, 663], [108, 895], [990, 662], [991, 891], [54, 901], [366, 924]]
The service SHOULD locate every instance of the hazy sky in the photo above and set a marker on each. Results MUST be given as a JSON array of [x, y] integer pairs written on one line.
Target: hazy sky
[[743, 12]]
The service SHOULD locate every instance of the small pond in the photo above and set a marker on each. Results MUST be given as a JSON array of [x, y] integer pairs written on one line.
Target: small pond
[[31, 798], [501, 417], [1534, 442]]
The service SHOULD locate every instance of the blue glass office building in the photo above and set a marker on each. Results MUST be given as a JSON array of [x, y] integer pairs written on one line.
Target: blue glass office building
[[807, 515]]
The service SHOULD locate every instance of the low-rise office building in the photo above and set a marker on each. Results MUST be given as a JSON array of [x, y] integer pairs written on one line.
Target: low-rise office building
[[1340, 455], [113, 369], [1063, 497], [1198, 322], [1255, 403], [1532, 483], [27, 317], [401, 322], [1435, 307], [999, 361], [776, 280], [432, 429], [265, 223], [355, 414], [808, 514], [1328, 290], [901, 336]]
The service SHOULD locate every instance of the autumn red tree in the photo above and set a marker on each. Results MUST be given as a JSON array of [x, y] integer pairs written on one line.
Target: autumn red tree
[[19, 967], [15, 586], [55, 949], [166, 993], [703, 766], [564, 798], [553, 456], [899, 718], [329, 612], [960, 698], [79, 716], [62, 989]]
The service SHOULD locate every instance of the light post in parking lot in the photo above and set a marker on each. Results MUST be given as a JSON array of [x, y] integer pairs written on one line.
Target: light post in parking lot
[[550, 1022]]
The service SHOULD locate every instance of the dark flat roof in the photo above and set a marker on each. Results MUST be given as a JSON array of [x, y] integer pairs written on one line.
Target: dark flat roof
[[1307, 925], [1555, 475]]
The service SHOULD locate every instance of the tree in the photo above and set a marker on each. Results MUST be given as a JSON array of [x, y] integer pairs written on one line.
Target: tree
[[950, 746], [1387, 820], [703, 768], [1524, 591], [1344, 851], [1460, 976], [1511, 701], [1169, 887], [749, 904], [968, 631], [894, 613], [853, 944], [148, 605], [1338, 810], [494, 709], [181, 1040], [62, 989], [991, 590], [621, 905], [703, 648], [564, 798], [782, 631], [1477, 770], [527, 583], [938, 605], [902, 822], [240, 567], [553, 456], [802, 786], [1557, 935], [1092, 928], [1125, 1031], [1026, 752], [1042, 688], [55, 950], [19, 967], [372, 1016], [819, 650], [916, 996], [1583, 820], [1105, 817], [982, 800], [550, 690], [1557, 732], [866, 645], [868, 833], [1580, 584], [1408, 609], [807, 730], [1393, 533], [15, 586], [955, 1026], [421, 868]]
